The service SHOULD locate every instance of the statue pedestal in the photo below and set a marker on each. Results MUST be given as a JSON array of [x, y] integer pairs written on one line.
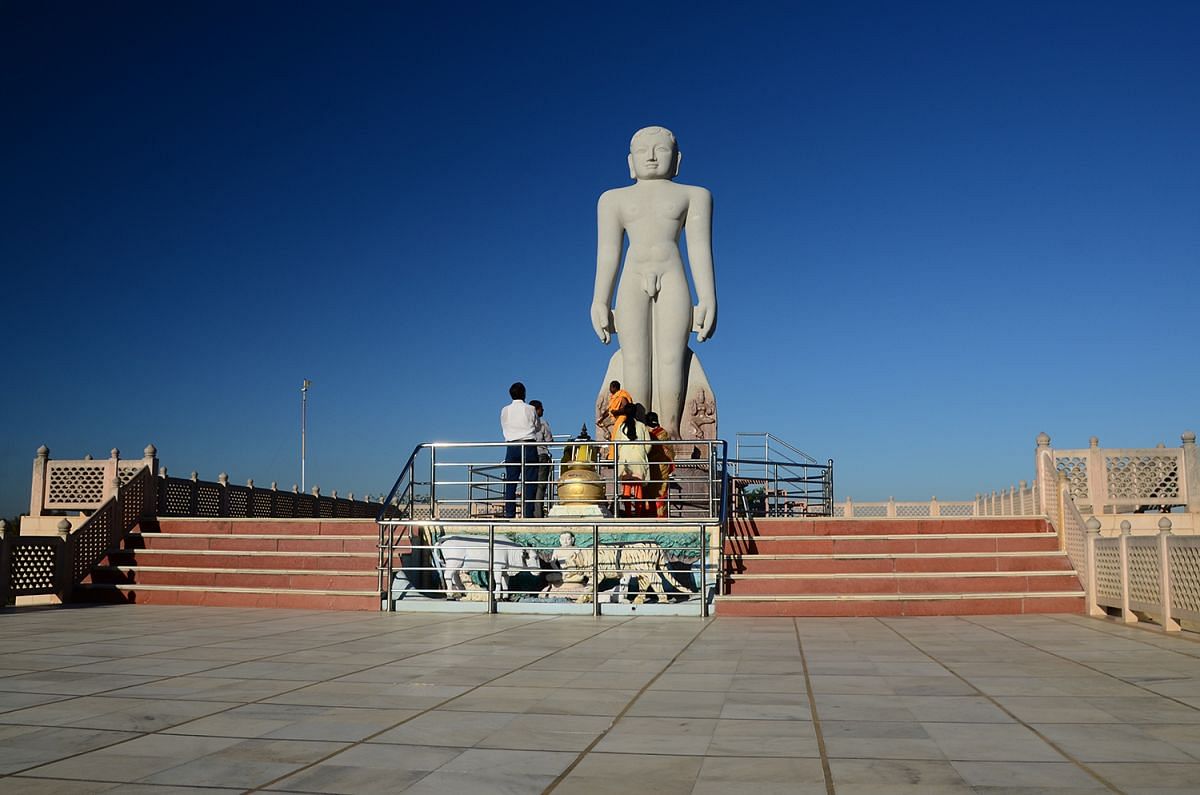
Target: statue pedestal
[[588, 511]]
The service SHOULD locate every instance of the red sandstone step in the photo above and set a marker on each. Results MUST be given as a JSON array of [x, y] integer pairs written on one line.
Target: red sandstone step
[[912, 605], [170, 595], [339, 561], [762, 528], [850, 564], [990, 582], [359, 527], [252, 543], [246, 578], [896, 545]]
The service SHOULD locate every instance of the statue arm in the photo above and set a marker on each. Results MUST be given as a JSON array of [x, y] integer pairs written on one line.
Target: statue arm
[[698, 228], [609, 237]]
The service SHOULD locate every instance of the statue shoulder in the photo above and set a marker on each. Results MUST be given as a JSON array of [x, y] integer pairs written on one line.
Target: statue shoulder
[[697, 193], [611, 197]]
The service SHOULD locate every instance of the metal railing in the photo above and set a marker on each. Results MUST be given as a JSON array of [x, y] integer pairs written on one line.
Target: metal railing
[[462, 480], [455, 511], [773, 478]]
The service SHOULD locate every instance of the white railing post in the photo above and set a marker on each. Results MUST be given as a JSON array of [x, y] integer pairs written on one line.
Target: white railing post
[[1023, 490], [1169, 624], [1123, 550], [64, 575], [934, 508], [1044, 469], [1191, 470], [1097, 477], [891, 508], [111, 474], [1060, 521], [150, 460], [848, 510], [37, 493], [1090, 536]]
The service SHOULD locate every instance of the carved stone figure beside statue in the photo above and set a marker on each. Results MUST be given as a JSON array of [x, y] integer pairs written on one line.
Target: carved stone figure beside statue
[[653, 314]]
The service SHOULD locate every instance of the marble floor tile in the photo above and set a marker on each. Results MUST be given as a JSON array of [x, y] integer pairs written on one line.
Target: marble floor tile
[[295, 722], [118, 714], [1051, 776], [1111, 743], [902, 776], [680, 736], [368, 769], [720, 775], [25, 747], [611, 774]]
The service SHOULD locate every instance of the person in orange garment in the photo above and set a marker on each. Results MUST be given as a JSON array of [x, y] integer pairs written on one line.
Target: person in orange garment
[[618, 399]]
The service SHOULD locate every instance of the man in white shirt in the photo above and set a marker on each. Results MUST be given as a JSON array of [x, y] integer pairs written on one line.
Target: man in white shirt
[[518, 423], [541, 434]]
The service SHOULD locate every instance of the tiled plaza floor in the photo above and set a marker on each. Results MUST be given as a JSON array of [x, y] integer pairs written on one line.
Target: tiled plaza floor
[[146, 699]]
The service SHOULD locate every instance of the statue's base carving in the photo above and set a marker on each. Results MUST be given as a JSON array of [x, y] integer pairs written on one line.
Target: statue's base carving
[[698, 420]]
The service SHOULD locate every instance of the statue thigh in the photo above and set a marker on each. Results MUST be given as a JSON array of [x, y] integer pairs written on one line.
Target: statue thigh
[[672, 324]]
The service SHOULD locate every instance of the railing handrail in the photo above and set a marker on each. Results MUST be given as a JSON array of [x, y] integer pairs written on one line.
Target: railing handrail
[[768, 437]]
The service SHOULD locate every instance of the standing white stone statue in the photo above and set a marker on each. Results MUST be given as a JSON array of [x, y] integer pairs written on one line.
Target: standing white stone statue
[[654, 315]]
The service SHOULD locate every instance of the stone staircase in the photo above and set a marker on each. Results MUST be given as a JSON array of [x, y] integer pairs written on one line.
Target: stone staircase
[[295, 563], [896, 567]]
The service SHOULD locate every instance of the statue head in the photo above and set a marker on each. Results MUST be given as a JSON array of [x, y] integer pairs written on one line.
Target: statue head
[[653, 154]]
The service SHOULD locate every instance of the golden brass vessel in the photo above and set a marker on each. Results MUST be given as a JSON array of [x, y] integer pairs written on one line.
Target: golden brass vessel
[[579, 483]]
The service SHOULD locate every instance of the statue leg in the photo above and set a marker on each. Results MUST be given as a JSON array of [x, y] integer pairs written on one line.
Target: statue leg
[[672, 325], [632, 317]]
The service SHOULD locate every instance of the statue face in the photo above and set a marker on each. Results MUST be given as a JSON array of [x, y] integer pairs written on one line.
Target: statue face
[[652, 156]]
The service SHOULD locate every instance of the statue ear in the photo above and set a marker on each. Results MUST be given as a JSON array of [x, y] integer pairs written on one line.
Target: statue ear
[[675, 171], [632, 174]]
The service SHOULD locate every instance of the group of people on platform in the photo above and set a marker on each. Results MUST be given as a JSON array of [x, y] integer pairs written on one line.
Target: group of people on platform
[[643, 468]]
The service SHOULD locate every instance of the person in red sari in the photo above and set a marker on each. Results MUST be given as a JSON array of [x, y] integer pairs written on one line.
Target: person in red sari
[[662, 464]]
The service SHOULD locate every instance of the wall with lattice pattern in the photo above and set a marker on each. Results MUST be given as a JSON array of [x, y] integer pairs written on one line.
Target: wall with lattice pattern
[[33, 565], [1144, 572], [1075, 467], [74, 484], [1108, 572], [1184, 555], [1143, 477]]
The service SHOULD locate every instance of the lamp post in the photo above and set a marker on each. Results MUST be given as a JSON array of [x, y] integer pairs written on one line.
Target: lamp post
[[303, 428]]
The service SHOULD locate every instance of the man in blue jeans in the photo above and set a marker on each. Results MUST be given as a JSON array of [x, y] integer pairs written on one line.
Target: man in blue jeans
[[518, 423]]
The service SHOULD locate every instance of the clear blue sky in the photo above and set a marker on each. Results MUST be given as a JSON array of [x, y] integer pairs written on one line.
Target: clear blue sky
[[939, 229]]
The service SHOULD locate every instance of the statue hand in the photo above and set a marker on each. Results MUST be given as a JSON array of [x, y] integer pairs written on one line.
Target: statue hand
[[602, 322], [704, 320]]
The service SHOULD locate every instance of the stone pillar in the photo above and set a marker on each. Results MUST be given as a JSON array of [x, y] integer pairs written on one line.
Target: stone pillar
[[1044, 471], [1090, 536], [6, 542], [1126, 614], [37, 493], [150, 461], [1191, 470], [1097, 477], [111, 474], [64, 571], [1169, 624]]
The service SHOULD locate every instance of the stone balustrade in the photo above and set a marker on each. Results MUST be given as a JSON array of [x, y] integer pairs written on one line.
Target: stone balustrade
[[85, 484]]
